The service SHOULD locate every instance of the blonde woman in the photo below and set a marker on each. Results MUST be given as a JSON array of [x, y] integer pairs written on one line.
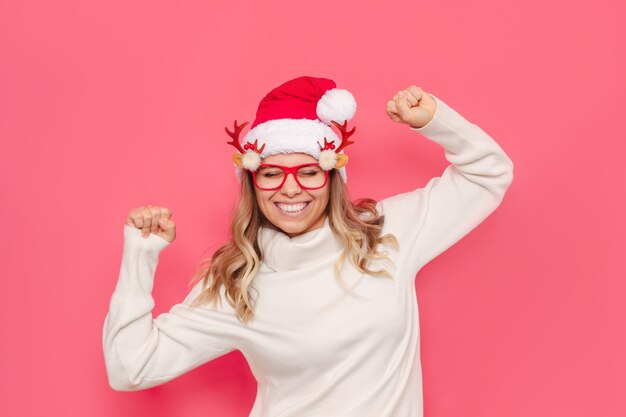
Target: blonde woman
[[315, 290]]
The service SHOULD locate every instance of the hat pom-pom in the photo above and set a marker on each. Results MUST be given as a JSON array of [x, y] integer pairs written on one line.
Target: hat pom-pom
[[327, 159], [251, 160], [336, 104]]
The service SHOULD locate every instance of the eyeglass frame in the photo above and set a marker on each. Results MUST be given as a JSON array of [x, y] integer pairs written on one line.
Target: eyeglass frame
[[289, 170]]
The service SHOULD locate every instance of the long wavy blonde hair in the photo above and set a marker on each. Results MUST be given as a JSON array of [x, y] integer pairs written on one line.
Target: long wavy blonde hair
[[235, 264]]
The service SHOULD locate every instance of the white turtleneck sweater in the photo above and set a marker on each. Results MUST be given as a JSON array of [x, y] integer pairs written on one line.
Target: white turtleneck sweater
[[315, 349]]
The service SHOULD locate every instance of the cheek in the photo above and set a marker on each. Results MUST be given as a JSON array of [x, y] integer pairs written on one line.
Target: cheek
[[322, 199], [263, 202]]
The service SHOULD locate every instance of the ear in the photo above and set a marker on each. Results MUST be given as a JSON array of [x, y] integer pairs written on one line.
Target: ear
[[342, 160], [237, 160]]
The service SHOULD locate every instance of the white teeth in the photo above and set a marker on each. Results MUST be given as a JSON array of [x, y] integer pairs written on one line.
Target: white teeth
[[292, 208]]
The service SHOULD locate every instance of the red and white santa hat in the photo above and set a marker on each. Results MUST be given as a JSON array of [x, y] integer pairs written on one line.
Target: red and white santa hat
[[294, 117]]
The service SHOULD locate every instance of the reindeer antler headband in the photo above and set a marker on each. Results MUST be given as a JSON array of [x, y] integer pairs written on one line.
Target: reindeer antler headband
[[329, 157], [296, 117]]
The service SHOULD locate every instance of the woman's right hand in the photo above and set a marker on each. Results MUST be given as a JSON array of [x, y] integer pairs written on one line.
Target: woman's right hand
[[151, 219]]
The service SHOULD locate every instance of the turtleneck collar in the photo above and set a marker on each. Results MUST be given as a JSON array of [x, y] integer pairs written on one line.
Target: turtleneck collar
[[282, 253]]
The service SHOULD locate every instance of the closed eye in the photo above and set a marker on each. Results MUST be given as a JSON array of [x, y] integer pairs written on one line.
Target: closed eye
[[271, 174]]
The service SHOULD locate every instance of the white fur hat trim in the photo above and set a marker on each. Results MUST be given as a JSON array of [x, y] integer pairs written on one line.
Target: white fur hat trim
[[291, 135]]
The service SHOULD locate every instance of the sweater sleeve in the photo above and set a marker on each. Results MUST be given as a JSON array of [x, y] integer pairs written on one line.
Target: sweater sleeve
[[141, 352], [429, 220]]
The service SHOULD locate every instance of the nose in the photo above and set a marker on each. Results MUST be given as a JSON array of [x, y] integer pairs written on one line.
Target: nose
[[290, 187]]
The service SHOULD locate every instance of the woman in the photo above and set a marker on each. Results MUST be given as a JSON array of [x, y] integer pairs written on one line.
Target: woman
[[317, 292]]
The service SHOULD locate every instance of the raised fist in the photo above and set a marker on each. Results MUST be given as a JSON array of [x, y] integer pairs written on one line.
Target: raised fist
[[153, 219], [412, 106]]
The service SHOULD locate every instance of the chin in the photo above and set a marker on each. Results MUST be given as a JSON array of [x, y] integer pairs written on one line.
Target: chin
[[292, 228]]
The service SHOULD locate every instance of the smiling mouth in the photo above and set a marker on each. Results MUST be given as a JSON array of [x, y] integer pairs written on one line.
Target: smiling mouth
[[292, 208]]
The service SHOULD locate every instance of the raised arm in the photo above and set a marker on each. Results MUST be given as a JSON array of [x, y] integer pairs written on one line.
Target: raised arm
[[141, 352], [429, 220]]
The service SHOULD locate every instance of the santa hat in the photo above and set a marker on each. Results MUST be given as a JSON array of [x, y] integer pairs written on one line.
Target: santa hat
[[296, 116]]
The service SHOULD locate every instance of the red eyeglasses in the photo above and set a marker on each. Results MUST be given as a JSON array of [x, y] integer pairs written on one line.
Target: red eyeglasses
[[272, 177]]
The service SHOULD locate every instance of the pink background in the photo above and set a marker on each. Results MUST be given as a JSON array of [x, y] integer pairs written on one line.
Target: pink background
[[104, 107]]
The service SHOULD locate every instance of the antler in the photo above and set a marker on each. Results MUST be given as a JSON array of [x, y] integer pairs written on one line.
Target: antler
[[345, 134], [235, 135], [327, 145], [254, 146]]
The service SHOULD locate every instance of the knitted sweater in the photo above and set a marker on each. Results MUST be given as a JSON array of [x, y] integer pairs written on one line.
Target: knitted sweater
[[314, 348]]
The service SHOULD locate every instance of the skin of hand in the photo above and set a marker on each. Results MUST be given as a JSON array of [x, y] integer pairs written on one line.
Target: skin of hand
[[412, 106], [153, 219]]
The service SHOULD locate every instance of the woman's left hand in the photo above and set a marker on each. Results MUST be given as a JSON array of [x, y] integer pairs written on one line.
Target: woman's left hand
[[412, 106]]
